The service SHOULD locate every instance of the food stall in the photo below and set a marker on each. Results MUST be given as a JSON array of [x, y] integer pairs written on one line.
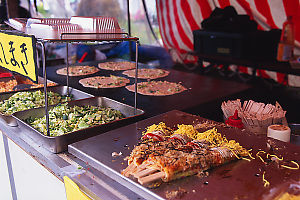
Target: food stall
[[97, 159]]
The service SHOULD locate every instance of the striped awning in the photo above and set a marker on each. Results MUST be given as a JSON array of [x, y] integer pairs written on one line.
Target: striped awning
[[178, 18]]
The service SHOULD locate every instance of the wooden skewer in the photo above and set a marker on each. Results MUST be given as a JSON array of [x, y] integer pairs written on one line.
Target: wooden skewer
[[141, 167], [245, 105], [278, 106], [126, 172], [251, 103], [272, 109], [265, 109], [284, 121], [260, 109], [224, 110], [145, 172], [134, 170], [239, 104], [254, 108], [254, 113], [151, 178]]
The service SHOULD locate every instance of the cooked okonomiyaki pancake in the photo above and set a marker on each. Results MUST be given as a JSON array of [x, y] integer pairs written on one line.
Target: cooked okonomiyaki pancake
[[104, 82], [117, 66], [157, 88], [78, 70], [147, 73]]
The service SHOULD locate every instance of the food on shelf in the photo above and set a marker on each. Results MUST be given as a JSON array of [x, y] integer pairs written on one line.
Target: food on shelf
[[8, 86], [104, 82], [28, 100], [42, 85], [157, 88], [117, 66], [65, 119], [78, 70], [255, 116], [164, 155], [147, 73]]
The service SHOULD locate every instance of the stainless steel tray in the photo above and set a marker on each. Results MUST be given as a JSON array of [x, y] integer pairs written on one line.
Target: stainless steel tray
[[77, 94], [60, 143]]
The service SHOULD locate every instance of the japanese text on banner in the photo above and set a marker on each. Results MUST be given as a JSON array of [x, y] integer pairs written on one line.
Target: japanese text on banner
[[17, 54]]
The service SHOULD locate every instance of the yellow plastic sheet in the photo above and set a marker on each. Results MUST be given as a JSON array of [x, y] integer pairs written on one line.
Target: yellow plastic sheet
[[72, 190]]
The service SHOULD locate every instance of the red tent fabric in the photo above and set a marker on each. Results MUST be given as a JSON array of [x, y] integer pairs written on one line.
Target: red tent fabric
[[178, 18]]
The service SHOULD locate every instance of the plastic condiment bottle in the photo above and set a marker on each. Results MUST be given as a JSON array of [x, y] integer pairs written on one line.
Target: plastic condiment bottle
[[285, 49], [235, 120]]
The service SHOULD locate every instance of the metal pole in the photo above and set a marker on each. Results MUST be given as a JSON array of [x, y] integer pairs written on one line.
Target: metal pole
[[45, 87], [136, 76], [11, 8], [9, 168], [128, 18], [129, 29], [67, 63], [149, 23]]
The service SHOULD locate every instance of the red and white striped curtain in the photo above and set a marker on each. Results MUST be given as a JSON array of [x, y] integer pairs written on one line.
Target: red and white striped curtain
[[178, 18]]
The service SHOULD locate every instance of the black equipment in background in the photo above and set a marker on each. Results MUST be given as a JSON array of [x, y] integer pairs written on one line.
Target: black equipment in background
[[225, 33]]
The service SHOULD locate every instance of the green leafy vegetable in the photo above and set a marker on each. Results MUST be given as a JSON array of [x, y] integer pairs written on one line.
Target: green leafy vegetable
[[65, 119], [28, 100]]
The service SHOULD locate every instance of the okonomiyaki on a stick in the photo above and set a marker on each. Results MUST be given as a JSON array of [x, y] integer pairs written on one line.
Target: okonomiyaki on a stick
[[166, 155]]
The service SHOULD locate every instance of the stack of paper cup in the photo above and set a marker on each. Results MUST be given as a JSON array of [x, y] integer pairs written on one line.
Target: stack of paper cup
[[279, 132]]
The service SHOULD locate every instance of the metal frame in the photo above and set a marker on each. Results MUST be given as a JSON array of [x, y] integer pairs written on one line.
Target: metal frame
[[45, 84], [67, 41]]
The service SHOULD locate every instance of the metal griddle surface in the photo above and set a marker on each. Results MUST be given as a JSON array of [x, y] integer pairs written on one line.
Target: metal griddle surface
[[237, 180], [201, 90]]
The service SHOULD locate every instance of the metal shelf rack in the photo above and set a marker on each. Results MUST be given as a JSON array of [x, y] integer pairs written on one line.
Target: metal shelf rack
[[61, 30]]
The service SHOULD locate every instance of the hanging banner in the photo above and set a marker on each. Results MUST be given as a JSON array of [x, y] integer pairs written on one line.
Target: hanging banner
[[18, 54]]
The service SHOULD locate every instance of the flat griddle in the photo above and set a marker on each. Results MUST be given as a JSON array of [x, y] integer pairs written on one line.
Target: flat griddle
[[201, 90], [236, 180]]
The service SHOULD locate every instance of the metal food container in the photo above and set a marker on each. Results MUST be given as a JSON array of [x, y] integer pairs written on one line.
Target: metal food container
[[62, 90], [58, 144]]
